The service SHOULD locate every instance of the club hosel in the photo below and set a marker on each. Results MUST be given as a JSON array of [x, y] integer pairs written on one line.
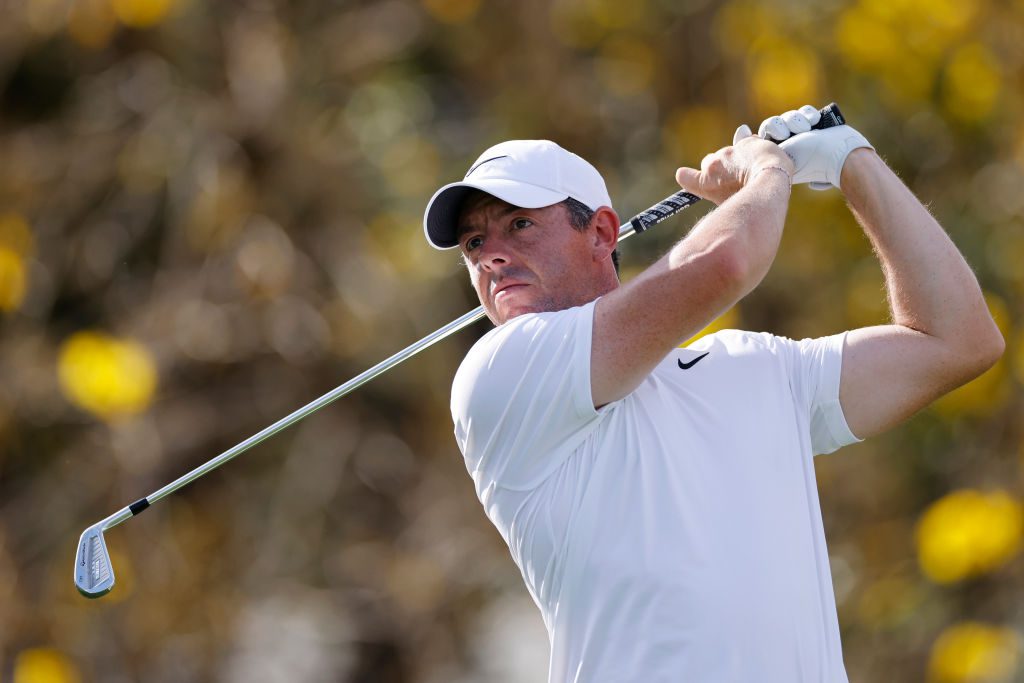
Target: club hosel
[[113, 520]]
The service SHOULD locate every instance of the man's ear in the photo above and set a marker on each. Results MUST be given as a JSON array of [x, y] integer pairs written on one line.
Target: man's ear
[[605, 227]]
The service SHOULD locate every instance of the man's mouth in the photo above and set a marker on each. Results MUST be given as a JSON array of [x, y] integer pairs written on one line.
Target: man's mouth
[[507, 288]]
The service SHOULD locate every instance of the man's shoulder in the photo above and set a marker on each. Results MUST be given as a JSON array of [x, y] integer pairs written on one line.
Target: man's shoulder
[[523, 331]]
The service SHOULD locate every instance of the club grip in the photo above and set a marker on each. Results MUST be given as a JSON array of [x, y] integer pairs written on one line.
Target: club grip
[[830, 117], [668, 206]]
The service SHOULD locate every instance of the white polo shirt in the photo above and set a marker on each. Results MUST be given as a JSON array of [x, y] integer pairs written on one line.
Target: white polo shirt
[[674, 535]]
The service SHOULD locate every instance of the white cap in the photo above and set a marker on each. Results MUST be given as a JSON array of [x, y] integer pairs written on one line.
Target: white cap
[[527, 173]]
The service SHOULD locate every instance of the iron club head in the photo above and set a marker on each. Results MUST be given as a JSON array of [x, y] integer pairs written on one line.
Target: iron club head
[[94, 577]]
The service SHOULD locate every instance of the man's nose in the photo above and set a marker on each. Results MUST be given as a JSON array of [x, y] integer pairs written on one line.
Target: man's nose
[[494, 254]]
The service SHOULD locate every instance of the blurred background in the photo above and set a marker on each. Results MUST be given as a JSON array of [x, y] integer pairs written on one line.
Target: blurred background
[[210, 215]]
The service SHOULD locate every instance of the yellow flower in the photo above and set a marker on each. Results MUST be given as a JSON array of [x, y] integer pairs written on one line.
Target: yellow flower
[[91, 22], [692, 131], [783, 72], [973, 83], [141, 13], [106, 376], [972, 652], [968, 533], [44, 665], [12, 279], [742, 23], [865, 40]]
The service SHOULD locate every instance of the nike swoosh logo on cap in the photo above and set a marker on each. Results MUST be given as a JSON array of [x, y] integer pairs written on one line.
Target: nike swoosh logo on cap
[[470, 172], [687, 366]]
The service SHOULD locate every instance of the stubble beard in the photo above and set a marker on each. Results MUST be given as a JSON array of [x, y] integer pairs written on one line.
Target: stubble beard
[[544, 303]]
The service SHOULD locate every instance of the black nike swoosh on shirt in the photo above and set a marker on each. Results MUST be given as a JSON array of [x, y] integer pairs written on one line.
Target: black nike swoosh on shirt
[[687, 366]]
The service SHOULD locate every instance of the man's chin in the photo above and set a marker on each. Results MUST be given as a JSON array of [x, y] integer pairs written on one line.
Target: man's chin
[[515, 314], [503, 310], [504, 313], [502, 317]]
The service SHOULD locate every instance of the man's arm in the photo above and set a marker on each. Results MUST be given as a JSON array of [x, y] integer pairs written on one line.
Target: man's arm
[[719, 262], [942, 334]]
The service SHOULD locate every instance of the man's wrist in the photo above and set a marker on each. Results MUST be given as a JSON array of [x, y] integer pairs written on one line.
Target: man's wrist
[[785, 172], [857, 163]]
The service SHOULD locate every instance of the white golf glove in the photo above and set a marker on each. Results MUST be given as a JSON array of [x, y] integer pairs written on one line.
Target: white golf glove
[[818, 155]]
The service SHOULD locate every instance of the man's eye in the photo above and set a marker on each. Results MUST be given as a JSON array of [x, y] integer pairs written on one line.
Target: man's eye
[[473, 242], [521, 223]]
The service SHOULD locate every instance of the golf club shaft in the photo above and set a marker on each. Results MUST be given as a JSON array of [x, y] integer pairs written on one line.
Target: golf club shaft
[[657, 213], [830, 116]]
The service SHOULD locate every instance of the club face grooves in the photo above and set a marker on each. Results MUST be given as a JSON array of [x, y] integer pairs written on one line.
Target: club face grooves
[[94, 576]]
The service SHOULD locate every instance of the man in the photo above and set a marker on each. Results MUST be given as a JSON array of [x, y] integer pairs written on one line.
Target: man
[[661, 501]]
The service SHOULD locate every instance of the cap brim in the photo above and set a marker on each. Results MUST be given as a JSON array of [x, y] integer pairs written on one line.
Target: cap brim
[[440, 220]]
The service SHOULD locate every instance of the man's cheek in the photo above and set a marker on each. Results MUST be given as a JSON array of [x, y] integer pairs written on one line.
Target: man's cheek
[[478, 281]]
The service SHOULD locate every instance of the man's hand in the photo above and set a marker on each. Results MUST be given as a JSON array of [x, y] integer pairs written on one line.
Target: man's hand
[[720, 261], [818, 155], [726, 171]]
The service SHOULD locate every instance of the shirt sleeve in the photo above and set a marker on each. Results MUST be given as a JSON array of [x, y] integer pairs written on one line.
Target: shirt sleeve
[[815, 367], [521, 399]]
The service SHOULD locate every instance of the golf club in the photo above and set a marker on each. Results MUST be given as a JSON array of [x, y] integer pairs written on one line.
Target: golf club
[[94, 575]]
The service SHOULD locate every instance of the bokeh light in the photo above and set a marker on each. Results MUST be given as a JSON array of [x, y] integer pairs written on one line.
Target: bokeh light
[[973, 83], [141, 13], [16, 247], [783, 72], [12, 279], [974, 652], [967, 533], [107, 376], [44, 665]]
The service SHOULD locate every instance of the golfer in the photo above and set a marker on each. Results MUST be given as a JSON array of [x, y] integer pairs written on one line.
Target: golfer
[[661, 501]]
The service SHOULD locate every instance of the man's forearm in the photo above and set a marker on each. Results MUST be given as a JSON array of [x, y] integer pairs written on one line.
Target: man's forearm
[[748, 226], [931, 288], [721, 260]]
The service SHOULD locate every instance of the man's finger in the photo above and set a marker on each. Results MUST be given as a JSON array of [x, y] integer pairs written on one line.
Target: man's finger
[[741, 132], [688, 179], [774, 129], [811, 112], [796, 122]]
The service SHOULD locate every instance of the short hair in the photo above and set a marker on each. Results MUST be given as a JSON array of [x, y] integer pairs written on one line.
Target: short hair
[[580, 216]]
